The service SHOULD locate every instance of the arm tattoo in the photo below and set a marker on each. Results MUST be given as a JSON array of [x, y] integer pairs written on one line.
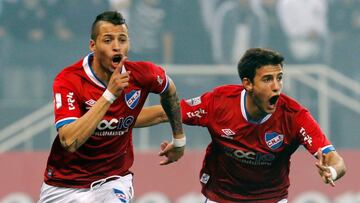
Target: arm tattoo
[[170, 103]]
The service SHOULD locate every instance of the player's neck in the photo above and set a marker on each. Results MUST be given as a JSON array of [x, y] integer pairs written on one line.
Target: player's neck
[[99, 72], [253, 111]]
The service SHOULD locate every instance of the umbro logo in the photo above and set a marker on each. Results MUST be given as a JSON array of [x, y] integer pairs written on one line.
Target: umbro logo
[[159, 80], [228, 133], [90, 103]]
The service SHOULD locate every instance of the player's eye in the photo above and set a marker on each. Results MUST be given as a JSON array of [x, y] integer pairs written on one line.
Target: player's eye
[[107, 40], [123, 39], [267, 79]]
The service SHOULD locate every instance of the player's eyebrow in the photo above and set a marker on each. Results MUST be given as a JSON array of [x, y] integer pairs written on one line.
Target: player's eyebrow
[[267, 76], [123, 35], [114, 34]]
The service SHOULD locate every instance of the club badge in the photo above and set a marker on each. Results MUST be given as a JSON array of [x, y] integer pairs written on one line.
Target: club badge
[[274, 140], [132, 98]]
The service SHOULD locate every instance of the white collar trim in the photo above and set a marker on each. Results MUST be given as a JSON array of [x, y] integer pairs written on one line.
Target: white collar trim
[[245, 114]]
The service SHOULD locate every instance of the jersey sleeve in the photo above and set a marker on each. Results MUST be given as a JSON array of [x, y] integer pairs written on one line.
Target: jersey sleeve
[[66, 102], [195, 111], [310, 134], [157, 79]]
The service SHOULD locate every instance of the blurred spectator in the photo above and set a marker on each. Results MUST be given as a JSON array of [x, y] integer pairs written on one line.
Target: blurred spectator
[[3, 37], [273, 34], [32, 17], [74, 18], [190, 40], [208, 8], [235, 28], [148, 28], [28, 25], [305, 24], [344, 23], [71, 28]]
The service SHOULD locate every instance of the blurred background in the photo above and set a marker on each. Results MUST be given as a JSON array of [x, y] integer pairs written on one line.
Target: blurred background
[[199, 43]]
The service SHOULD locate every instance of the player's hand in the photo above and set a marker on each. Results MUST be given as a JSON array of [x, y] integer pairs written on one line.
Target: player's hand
[[118, 81], [323, 169], [171, 153]]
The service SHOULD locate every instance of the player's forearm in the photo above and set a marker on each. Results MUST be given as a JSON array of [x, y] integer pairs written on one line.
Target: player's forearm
[[170, 103], [150, 116], [75, 134]]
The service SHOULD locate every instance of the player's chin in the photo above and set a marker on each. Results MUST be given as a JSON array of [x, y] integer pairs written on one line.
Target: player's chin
[[111, 69], [270, 109]]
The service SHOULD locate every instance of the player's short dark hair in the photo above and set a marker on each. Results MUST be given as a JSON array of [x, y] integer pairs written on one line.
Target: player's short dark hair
[[255, 58], [113, 17]]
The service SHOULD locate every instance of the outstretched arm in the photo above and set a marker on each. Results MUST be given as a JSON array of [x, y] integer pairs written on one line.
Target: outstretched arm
[[331, 166], [151, 115], [170, 103]]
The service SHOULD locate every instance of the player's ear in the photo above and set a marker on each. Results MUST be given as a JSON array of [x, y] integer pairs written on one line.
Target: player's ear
[[92, 45], [248, 85]]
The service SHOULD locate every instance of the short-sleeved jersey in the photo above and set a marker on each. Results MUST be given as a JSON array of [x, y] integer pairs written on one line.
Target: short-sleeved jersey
[[109, 150], [246, 160]]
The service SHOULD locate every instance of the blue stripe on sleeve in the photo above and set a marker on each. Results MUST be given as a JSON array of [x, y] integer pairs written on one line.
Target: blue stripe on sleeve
[[328, 149], [60, 124]]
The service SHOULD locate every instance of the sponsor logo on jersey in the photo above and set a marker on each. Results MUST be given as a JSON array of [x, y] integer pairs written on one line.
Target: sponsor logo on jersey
[[58, 102], [114, 127], [228, 133], [70, 101], [204, 178], [274, 140], [90, 103], [132, 98], [250, 157], [307, 137], [159, 80], [198, 113], [194, 101], [120, 195]]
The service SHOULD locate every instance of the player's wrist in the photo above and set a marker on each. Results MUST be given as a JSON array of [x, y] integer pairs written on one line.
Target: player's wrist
[[110, 97], [333, 172], [179, 142]]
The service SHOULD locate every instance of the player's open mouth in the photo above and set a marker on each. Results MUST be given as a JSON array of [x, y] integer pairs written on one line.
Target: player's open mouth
[[273, 100], [116, 59]]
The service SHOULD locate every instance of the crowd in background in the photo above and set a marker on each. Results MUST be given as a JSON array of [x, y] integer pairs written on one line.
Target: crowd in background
[[40, 37], [187, 32]]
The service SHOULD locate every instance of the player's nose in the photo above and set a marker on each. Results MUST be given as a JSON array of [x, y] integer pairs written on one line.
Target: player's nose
[[276, 87], [116, 46]]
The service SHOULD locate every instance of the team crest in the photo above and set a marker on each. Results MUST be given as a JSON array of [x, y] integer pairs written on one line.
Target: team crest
[[132, 98], [120, 195], [274, 140]]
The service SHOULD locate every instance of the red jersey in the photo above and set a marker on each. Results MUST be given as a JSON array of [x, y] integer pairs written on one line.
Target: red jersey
[[249, 161], [109, 151]]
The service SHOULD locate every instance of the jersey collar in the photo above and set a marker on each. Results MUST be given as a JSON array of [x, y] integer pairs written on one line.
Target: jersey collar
[[246, 114], [90, 72]]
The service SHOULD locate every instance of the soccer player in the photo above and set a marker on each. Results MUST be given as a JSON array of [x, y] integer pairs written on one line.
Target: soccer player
[[96, 103], [254, 130]]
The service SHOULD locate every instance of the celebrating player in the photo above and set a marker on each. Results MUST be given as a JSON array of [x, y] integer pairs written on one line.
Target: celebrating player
[[254, 130], [96, 103]]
